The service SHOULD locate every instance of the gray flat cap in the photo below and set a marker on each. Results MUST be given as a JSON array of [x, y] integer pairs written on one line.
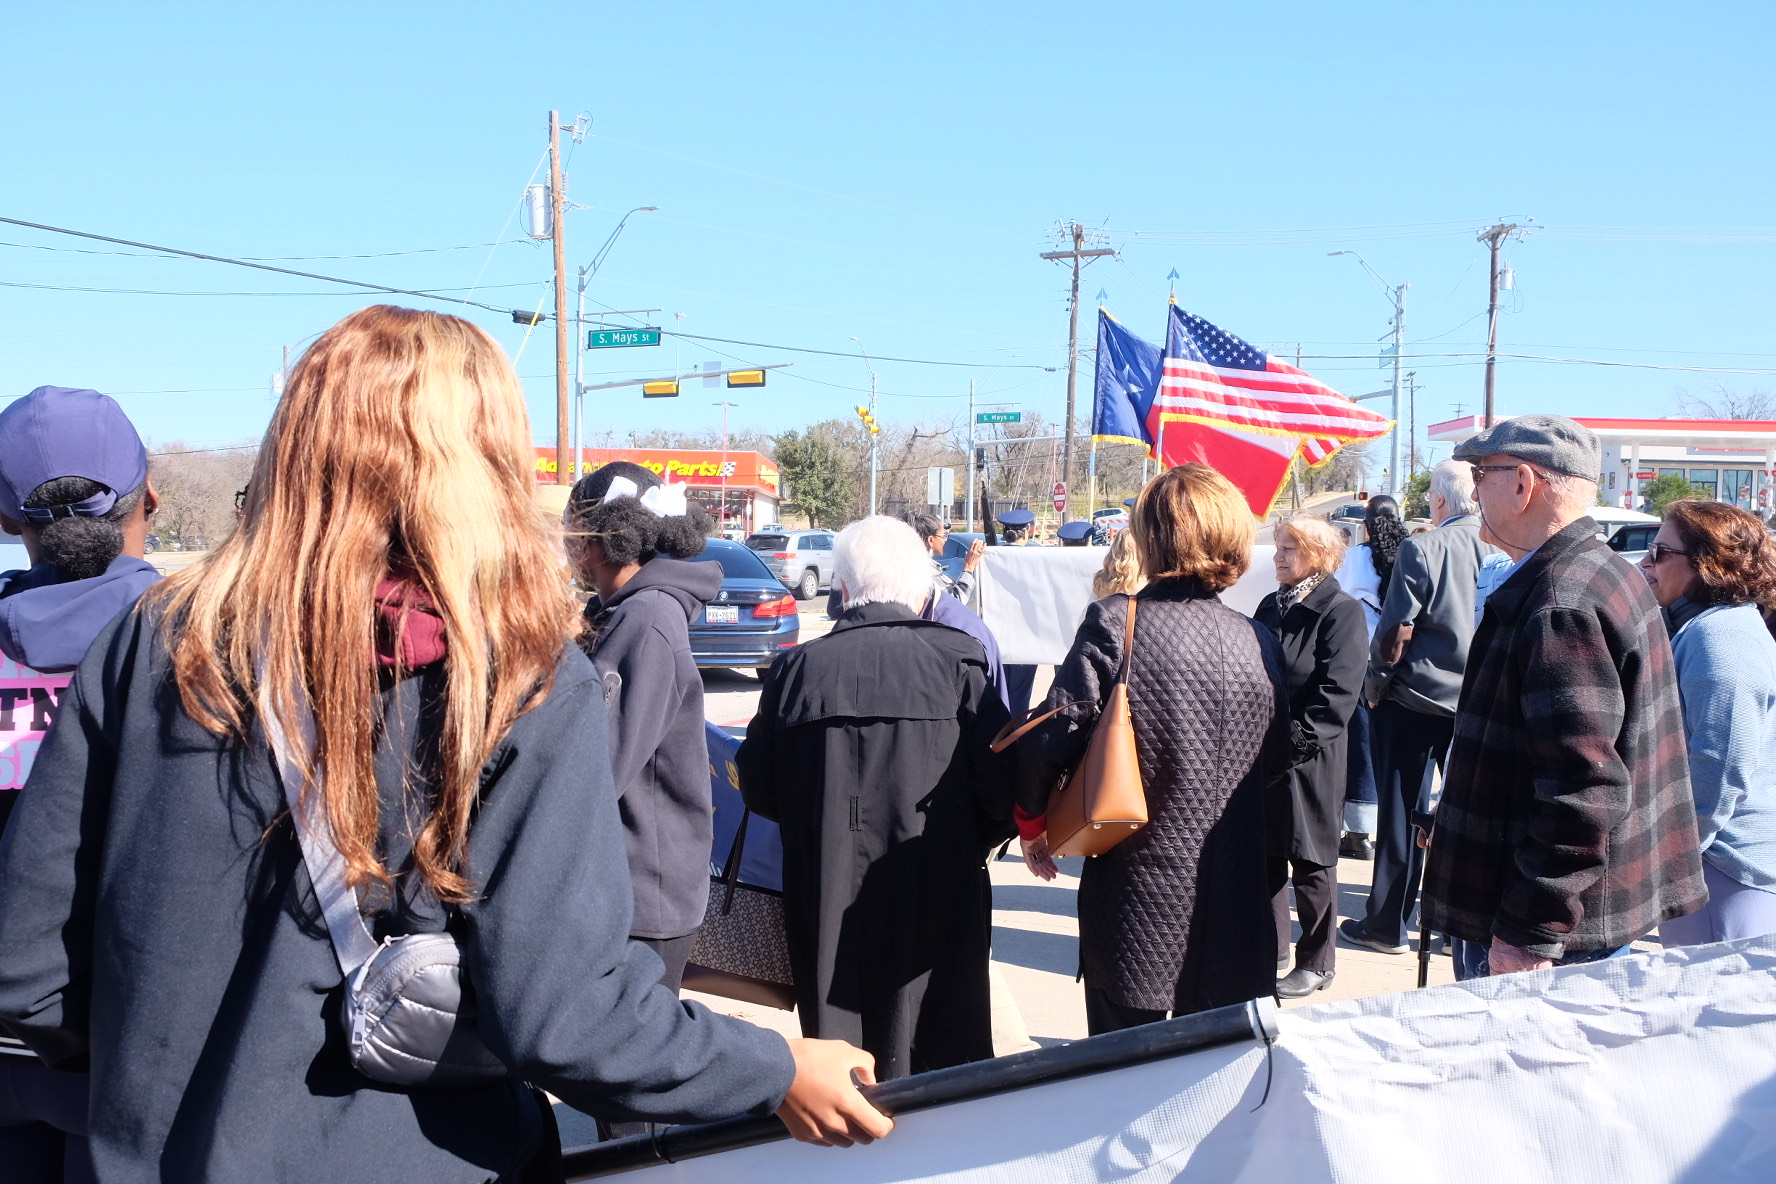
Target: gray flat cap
[[1550, 442]]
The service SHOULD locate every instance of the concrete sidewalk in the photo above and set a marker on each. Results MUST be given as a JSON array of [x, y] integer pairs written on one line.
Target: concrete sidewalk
[[1036, 944]]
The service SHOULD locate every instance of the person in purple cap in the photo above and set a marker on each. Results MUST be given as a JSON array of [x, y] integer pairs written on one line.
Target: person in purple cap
[[74, 486]]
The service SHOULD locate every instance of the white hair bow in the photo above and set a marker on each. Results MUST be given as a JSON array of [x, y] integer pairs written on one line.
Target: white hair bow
[[663, 501]]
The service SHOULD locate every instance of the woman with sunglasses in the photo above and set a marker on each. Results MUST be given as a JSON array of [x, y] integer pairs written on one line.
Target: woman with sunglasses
[[1711, 567]]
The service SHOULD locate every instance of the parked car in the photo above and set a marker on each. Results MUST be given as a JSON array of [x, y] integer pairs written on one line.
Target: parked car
[[1632, 541], [753, 617], [802, 559]]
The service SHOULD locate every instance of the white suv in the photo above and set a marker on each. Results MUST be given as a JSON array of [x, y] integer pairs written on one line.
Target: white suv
[[802, 559]]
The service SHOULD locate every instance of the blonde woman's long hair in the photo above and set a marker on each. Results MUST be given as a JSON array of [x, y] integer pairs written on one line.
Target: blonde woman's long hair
[[1121, 573], [400, 447]]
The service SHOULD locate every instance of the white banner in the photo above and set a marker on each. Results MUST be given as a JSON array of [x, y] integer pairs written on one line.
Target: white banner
[[1651, 1069], [1033, 598]]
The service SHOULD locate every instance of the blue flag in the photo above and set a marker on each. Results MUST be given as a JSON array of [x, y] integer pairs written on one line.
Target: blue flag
[[1129, 371]]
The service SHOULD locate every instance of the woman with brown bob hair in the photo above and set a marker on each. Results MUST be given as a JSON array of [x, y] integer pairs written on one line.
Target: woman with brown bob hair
[[392, 600], [1325, 645], [1176, 918], [1712, 568]]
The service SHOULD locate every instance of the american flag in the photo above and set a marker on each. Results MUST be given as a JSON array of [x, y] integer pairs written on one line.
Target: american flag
[[1213, 378]]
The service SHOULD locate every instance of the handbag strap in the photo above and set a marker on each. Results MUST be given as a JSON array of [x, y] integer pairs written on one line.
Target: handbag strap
[[731, 872], [353, 943], [1020, 724]]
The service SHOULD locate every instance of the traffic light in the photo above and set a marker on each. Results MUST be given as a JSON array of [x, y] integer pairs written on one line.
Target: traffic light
[[659, 390], [868, 420], [746, 378]]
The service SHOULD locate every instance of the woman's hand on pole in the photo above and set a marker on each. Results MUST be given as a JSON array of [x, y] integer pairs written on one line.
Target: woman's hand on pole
[[824, 1105]]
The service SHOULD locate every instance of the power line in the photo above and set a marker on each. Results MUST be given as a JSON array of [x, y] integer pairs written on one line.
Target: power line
[[425, 295], [270, 258], [307, 275], [164, 292]]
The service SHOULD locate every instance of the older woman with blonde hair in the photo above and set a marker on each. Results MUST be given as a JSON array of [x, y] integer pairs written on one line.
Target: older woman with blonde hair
[[1176, 918], [363, 714], [1121, 573], [1325, 645]]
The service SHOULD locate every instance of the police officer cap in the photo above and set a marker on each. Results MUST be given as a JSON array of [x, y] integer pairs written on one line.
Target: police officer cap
[[1079, 528], [1017, 518], [1129, 502]]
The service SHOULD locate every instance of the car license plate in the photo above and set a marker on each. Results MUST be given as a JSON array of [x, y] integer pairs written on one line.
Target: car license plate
[[722, 614]]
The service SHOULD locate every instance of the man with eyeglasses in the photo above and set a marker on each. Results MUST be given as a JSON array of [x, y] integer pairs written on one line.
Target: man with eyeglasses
[[1417, 655], [1566, 829]]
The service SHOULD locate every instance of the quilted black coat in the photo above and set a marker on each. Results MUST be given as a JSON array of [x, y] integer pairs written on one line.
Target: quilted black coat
[[1177, 916]]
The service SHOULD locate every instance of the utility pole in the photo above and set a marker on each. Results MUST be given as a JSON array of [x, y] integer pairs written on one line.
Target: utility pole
[[1493, 237], [1078, 254], [1396, 478], [557, 203], [972, 429], [1411, 422], [724, 487], [869, 420]]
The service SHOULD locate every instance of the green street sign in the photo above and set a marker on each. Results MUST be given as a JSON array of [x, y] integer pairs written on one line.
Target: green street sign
[[615, 338], [999, 417]]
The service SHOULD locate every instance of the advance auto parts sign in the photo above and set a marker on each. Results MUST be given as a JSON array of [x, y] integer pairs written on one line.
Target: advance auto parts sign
[[28, 700], [711, 468]]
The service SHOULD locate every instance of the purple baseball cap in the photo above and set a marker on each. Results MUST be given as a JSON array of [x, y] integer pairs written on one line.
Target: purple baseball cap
[[58, 432]]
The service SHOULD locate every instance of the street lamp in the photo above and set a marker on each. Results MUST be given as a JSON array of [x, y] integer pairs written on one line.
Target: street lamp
[[724, 469], [864, 354], [1398, 296], [586, 274]]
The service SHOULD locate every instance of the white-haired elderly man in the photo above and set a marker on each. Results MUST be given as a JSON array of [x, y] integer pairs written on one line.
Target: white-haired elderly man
[[870, 751], [1416, 660]]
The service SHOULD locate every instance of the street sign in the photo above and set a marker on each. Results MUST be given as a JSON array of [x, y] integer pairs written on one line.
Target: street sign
[[1060, 497], [940, 487], [619, 338], [999, 417]]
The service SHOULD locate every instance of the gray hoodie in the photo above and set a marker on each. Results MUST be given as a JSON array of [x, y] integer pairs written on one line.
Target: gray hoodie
[[640, 643]]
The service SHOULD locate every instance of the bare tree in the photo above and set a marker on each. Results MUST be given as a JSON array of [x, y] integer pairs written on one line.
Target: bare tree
[[196, 489], [1719, 401]]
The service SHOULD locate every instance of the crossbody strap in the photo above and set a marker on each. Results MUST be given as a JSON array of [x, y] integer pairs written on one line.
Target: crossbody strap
[[1020, 724], [352, 943]]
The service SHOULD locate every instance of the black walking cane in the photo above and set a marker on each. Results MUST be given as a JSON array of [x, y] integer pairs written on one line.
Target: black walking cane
[[1422, 823]]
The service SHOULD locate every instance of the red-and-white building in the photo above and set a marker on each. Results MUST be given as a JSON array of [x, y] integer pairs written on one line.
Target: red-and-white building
[[1733, 460]]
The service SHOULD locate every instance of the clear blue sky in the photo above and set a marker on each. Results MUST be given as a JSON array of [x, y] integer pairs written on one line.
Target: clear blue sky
[[890, 173]]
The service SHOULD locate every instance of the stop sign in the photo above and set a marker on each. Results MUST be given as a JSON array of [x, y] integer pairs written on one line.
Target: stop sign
[[1060, 497]]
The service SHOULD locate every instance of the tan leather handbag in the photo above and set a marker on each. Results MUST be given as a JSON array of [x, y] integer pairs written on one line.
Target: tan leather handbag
[[1100, 802]]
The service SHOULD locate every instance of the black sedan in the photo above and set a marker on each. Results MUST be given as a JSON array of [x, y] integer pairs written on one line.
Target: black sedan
[[751, 620]]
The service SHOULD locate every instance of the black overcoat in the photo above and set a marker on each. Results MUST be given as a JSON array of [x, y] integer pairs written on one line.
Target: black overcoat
[[870, 750], [1176, 917], [1325, 658]]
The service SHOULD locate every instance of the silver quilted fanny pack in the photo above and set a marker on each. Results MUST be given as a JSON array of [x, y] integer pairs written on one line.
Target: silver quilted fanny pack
[[408, 1011]]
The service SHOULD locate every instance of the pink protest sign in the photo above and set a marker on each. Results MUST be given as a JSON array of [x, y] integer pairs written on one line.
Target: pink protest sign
[[28, 701]]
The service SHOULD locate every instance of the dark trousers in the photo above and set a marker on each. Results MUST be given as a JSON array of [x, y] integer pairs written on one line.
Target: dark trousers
[[42, 1124], [1316, 902], [1103, 1014], [1359, 785], [1020, 683], [1408, 746], [675, 952]]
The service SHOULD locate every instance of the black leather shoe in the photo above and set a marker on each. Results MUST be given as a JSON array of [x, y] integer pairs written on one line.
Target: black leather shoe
[[1356, 846], [1300, 983]]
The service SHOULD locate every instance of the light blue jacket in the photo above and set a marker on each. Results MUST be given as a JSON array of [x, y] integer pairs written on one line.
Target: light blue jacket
[[1726, 672]]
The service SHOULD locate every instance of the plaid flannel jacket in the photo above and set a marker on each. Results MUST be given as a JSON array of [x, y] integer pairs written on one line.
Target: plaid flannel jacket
[[1566, 822]]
